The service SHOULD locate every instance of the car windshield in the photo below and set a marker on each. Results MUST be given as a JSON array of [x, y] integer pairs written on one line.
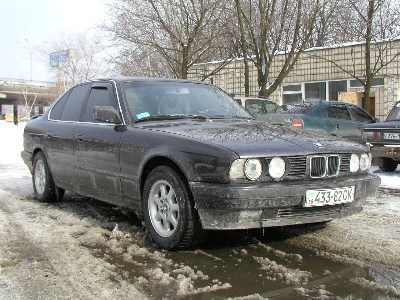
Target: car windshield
[[157, 100], [295, 108], [394, 114]]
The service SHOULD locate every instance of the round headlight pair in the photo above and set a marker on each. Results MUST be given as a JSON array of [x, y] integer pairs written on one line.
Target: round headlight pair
[[253, 168], [362, 162]]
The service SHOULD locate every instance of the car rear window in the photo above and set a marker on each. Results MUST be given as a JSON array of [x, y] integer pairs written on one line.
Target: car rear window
[[394, 113], [295, 108]]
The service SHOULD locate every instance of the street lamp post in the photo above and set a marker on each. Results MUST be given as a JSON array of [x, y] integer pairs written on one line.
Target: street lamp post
[[30, 52]]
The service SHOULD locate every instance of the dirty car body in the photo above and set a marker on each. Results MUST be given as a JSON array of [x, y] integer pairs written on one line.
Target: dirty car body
[[384, 140], [187, 158]]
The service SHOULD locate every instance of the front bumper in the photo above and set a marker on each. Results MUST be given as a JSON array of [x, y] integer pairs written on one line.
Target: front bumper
[[243, 206]]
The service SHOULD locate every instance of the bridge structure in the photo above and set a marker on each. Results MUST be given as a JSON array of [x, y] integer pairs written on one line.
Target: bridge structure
[[21, 97]]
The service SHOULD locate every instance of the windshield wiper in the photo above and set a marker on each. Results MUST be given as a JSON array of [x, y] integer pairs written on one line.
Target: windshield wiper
[[170, 117]]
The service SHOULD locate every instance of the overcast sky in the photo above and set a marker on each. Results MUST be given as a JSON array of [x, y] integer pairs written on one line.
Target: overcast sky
[[30, 23]]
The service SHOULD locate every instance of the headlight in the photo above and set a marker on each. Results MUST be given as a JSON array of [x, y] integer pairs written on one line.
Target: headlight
[[277, 167], [253, 168], [354, 163], [365, 162]]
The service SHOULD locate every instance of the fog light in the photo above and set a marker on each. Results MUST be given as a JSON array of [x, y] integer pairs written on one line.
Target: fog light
[[249, 215], [253, 168], [354, 163], [277, 167]]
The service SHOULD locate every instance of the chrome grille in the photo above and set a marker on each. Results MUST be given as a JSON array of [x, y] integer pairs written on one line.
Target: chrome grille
[[324, 166], [316, 166]]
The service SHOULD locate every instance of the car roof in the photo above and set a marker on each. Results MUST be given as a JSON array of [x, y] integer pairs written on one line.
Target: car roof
[[149, 79]]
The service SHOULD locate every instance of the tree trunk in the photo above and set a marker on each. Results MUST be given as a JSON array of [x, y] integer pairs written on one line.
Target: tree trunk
[[368, 72], [243, 46]]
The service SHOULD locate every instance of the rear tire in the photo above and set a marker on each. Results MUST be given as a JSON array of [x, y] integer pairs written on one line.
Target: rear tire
[[169, 215], [387, 164], [43, 184]]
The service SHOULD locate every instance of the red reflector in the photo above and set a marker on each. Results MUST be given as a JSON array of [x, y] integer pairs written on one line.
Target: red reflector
[[297, 123]]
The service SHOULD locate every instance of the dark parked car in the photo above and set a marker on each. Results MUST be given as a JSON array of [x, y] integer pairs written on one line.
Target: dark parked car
[[328, 117], [188, 158], [384, 140], [255, 104]]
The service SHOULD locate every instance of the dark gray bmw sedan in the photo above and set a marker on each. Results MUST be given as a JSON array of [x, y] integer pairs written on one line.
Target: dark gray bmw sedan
[[187, 158]]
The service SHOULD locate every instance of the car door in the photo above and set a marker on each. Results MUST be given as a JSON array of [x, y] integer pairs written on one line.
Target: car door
[[97, 151], [341, 121], [59, 137]]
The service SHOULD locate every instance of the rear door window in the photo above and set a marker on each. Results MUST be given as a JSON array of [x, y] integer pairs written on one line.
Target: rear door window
[[100, 95], [338, 112]]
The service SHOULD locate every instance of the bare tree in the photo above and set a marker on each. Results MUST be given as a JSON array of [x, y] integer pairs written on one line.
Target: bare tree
[[373, 15], [335, 24], [181, 32], [243, 45], [275, 27], [374, 22], [28, 99], [86, 59]]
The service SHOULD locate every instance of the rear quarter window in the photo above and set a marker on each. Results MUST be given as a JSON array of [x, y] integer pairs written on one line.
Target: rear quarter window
[[73, 107], [301, 108], [56, 110]]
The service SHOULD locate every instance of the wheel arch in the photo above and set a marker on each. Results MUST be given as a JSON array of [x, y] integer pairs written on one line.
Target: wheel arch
[[156, 161]]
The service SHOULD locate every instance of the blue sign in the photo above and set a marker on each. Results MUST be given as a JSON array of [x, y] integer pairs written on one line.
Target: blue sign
[[58, 57]]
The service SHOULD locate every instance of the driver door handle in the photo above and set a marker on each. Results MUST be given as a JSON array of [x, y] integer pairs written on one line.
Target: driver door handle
[[79, 137]]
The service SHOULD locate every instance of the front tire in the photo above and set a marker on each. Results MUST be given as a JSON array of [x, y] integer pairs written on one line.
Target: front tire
[[169, 214], [43, 184], [387, 164]]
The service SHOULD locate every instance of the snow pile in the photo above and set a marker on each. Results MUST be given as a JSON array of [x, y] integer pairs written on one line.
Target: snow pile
[[11, 142]]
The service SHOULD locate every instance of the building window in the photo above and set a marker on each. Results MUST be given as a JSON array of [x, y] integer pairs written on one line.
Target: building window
[[292, 93], [335, 87], [315, 90], [290, 98], [292, 88]]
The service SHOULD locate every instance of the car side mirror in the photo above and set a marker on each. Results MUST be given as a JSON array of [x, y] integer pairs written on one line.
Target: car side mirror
[[377, 120], [106, 114]]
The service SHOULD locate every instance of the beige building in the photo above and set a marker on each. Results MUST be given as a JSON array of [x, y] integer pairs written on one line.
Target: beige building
[[324, 73]]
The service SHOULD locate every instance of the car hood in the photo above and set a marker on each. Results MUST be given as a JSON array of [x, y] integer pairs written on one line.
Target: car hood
[[253, 138]]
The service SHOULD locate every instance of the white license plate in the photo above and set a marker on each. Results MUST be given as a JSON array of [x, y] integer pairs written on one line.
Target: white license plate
[[391, 136], [329, 196]]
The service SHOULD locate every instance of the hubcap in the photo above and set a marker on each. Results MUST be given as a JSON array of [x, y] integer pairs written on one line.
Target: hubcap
[[163, 208], [40, 177]]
